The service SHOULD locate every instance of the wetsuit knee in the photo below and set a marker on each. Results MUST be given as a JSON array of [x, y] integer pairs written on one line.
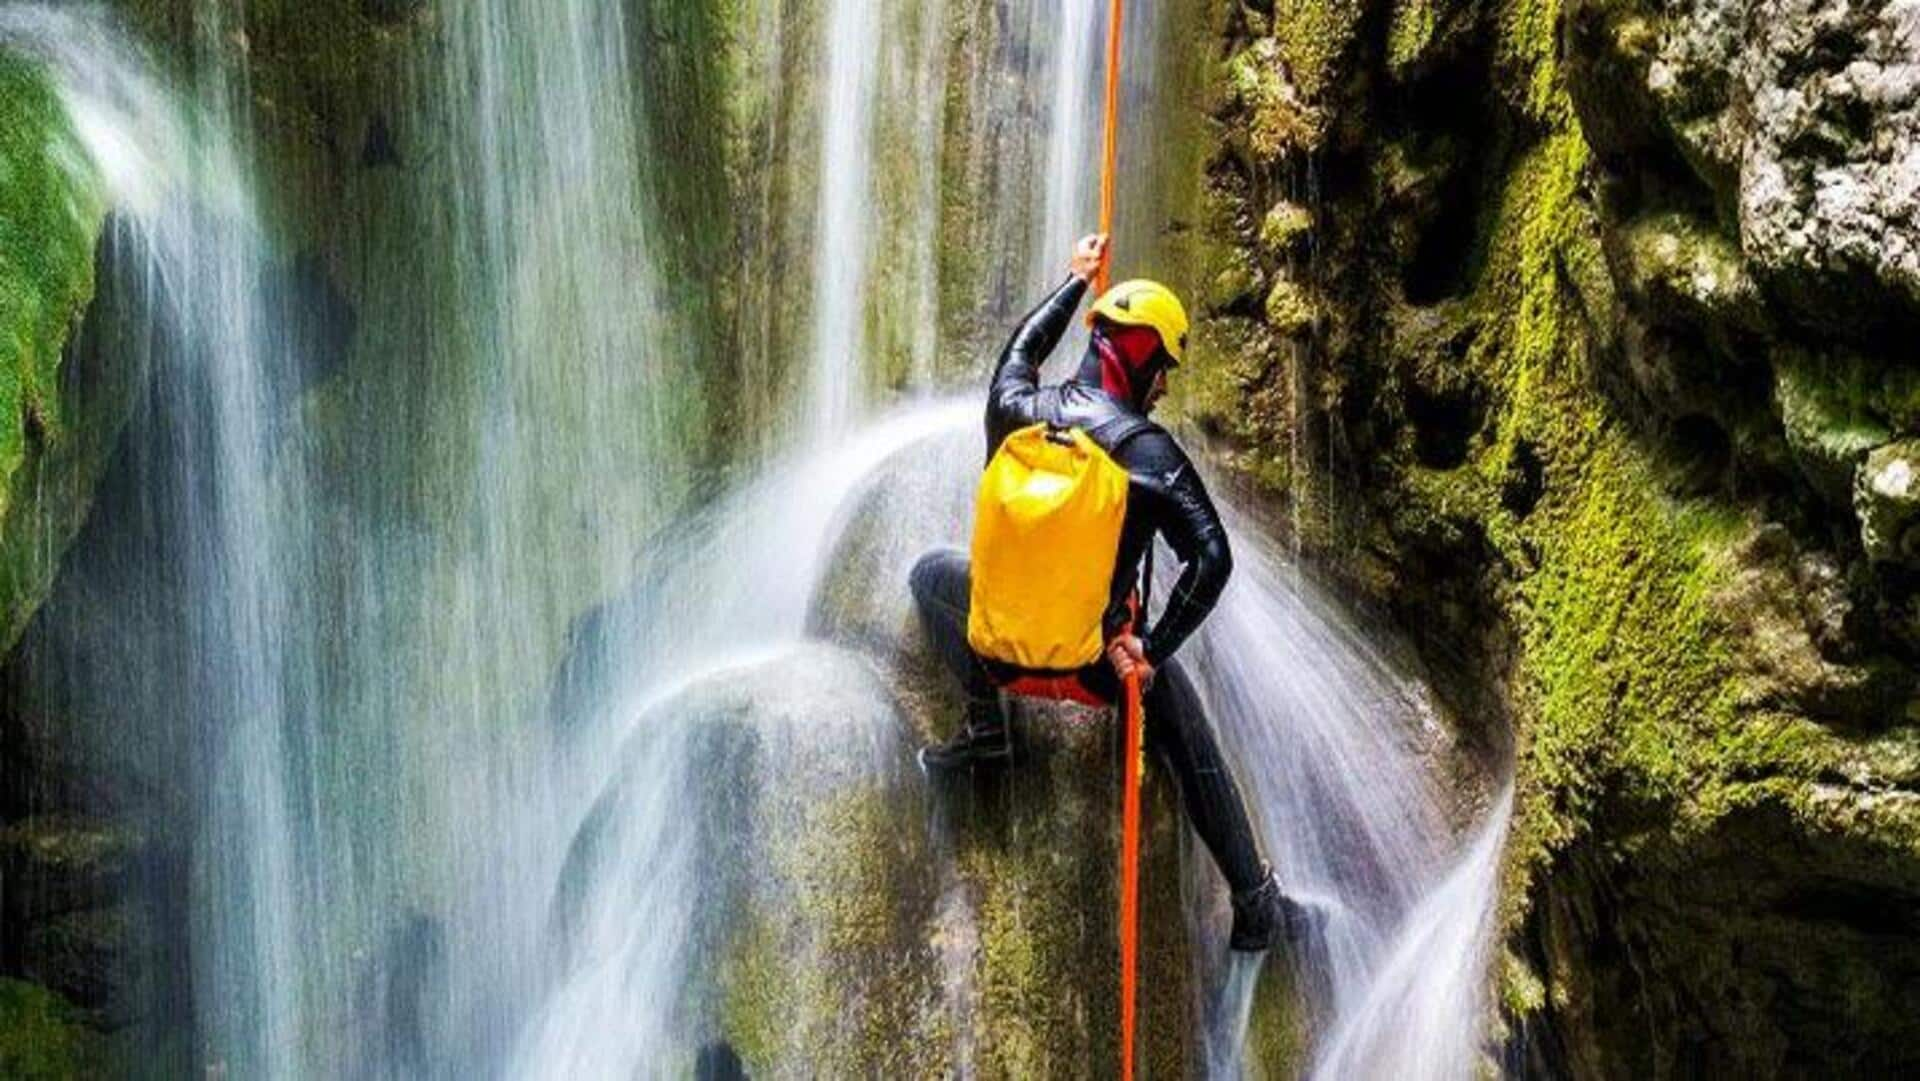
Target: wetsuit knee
[[938, 575]]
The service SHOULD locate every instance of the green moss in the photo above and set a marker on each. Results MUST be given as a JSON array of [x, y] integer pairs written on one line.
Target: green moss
[[963, 270], [1281, 120], [1835, 408], [51, 210], [1661, 672], [1314, 35], [1278, 1032], [1236, 282], [1036, 861], [829, 968], [1409, 34], [1522, 994], [41, 1038], [1626, 676], [1526, 50], [1285, 225], [56, 432], [754, 997], [1290, 309]]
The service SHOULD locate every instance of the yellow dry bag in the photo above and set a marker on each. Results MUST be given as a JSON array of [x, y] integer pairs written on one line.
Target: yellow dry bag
[[1046, 534]]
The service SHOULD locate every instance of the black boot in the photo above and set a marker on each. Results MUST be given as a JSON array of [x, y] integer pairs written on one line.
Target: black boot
[[984, 740], [1263, 914]]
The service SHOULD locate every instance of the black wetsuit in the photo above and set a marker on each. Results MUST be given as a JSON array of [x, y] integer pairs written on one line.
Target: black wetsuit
[[1167, 498]]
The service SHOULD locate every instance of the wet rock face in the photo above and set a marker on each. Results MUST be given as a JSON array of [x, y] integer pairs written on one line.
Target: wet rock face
[[828, 910]]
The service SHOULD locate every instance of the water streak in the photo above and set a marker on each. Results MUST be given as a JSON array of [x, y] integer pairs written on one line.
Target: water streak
[[841, 248]]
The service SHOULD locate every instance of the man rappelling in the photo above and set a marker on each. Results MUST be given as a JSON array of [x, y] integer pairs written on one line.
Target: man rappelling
[[1079, 483]]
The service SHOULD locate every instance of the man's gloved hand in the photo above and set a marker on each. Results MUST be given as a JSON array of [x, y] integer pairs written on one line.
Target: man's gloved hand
[[1128, 655], [1088, 257]]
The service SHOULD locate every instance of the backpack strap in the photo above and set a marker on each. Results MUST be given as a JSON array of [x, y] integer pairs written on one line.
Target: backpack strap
[[1112, 434]]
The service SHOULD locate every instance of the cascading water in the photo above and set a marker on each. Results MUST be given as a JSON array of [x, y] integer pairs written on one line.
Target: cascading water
[[401, 869], [846, 198], [1074, 140], [1337, 752], [192, 262]]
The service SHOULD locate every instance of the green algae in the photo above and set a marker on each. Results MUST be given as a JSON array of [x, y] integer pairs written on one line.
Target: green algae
[[51, 210], [1314, 36], [829, 967], [42, 1038], [56, 429]]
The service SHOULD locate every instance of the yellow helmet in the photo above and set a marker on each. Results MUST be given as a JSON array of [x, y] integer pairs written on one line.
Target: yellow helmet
[[1142, 303]]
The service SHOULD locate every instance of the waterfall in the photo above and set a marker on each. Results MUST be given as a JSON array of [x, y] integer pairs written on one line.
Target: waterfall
[[193, 266], [341, 635], [1423, 1008]]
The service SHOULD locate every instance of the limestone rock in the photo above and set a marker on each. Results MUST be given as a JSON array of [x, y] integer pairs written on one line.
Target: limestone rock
[[1805, 115], [852, 918], [53, 864], [1685, 271], [1886, 495]]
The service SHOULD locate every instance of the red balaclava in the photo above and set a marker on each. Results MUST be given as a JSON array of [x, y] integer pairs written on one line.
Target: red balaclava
[[1130, 359]]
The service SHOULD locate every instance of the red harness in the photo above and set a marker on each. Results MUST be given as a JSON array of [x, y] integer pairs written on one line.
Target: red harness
[[1066, 688]]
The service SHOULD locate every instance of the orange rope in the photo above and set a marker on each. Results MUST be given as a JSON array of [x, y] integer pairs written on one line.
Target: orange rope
[[1135, 763], [1110, 163], [1134, 766]]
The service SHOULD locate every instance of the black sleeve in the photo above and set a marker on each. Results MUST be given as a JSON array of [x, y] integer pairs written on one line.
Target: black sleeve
[[1016, 378], [1187, 518]]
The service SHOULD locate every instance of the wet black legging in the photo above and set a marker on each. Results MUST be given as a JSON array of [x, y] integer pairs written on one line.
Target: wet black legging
[[1177, 727]]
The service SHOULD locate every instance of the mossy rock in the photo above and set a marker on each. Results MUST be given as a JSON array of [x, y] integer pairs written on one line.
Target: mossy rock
[[1828, 429], [1684, 271], [1691, 657], [57, 863], [1236, 285], [1282, 120], [1284, 227], [1291, 309], [41, 1037], [1887, 497], [51, 210], [58, 419], [854, 918]]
